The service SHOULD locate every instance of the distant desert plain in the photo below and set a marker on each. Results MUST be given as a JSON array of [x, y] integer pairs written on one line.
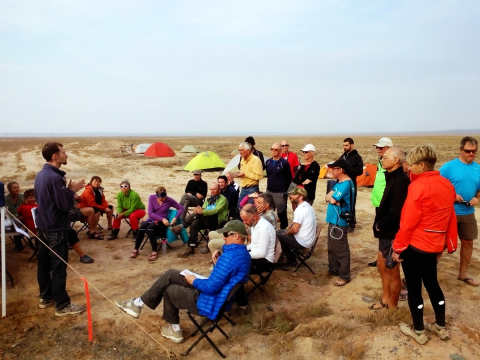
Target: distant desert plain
[[299, 315]]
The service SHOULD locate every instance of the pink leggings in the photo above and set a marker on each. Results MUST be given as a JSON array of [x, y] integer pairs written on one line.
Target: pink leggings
[[134, 218]]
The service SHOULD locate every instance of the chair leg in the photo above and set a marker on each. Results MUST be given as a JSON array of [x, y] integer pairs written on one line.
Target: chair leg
[[204, 334]]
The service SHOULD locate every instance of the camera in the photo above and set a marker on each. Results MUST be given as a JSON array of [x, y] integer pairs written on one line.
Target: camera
[[348, 217]]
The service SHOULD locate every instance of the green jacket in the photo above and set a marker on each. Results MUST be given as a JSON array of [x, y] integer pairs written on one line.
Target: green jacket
[[378, 185], [220, 208], [129, 203]]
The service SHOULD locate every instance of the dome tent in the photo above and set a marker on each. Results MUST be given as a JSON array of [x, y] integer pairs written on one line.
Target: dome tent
[[207, 160], [141, 148], [159, 149], [189, 149]]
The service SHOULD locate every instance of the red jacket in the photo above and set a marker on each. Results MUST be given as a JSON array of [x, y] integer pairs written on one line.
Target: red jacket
[[25, 214], [428, 220], [87, 199]]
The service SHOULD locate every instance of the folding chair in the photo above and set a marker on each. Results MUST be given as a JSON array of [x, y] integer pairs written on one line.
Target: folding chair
[[212, 324], [302, 255]]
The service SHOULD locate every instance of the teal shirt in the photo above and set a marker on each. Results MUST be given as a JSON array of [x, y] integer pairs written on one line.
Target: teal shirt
[[378, 185]]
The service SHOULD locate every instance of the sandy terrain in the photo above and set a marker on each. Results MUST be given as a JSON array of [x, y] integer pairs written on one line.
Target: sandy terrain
[[299, 316]]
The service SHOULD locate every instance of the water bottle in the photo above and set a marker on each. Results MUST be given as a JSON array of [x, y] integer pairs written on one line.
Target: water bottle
[[164, 246]]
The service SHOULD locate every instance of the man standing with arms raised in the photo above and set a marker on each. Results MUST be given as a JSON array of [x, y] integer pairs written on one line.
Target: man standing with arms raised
[[55, 199], [381, 147], [464, 173]]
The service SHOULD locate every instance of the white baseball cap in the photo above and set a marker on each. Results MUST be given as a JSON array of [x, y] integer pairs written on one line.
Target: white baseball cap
[[309, 147], [383, 142]]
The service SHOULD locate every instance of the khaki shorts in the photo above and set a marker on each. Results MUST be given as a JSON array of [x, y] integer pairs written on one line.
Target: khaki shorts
[[467, 227]]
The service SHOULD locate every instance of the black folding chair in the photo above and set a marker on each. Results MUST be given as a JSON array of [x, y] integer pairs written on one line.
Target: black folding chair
[[302, 255], [259, 279], [212, 324]]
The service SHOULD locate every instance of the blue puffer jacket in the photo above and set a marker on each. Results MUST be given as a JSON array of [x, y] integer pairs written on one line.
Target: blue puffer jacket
[[232, 267]]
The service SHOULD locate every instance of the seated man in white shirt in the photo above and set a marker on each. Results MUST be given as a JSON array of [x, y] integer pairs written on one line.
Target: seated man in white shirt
[[301, 234], [262, 240]]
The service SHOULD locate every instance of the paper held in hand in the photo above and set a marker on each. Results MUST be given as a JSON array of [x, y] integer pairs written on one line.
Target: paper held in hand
[[188, 272]]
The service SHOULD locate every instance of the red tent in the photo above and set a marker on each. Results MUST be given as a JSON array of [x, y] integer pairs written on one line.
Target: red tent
[[159, 150]]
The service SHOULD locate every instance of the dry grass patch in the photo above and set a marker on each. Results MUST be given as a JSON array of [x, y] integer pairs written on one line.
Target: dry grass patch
[[350, 349]]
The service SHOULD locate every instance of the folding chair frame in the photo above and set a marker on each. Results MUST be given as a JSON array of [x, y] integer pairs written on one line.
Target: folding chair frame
[[263, 278], [213, 324], [302, 256]]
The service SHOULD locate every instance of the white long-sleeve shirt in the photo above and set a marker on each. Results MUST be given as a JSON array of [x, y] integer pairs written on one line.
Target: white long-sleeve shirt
[[262, 244]]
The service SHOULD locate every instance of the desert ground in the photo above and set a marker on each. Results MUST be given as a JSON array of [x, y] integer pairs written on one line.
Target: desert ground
[[298, 316]]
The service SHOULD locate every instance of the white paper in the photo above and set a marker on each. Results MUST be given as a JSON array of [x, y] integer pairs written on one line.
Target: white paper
[[188, 272]]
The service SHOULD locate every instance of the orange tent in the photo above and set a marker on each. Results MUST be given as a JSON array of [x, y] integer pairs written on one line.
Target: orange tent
[[368, 176], [159, 150]]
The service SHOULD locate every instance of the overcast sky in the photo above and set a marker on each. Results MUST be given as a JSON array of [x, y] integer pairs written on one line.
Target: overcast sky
[[209, 67]]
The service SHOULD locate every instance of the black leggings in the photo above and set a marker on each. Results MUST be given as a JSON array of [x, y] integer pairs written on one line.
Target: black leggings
[[421, 267], [153, 231]]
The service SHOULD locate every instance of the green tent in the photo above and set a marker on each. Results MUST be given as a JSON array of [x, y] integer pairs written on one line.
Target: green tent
[[205, 160]]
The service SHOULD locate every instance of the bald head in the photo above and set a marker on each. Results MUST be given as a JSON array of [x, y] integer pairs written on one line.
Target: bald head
[[214, 189], [276, 150]]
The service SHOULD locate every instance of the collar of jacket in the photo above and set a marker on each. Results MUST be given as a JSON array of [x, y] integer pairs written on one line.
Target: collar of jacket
[[414, 177], [57, 170], [393, 173]]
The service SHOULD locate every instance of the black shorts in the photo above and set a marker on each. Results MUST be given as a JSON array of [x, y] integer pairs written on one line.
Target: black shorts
[[384, 246]]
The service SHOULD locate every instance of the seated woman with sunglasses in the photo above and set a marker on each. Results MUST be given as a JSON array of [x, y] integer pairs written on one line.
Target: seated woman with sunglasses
[[129, 205], [156, 225]]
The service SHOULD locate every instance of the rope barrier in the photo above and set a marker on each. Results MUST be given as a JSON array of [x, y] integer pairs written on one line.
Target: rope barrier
[[170, 354]]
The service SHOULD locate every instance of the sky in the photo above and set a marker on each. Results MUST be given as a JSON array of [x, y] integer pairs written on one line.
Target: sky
[[237, 67]]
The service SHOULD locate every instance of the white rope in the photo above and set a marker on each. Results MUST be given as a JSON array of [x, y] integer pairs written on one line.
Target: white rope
[[170, 353]]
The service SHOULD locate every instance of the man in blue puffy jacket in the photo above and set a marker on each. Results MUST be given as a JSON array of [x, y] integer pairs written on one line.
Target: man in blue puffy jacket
[[199, 296]]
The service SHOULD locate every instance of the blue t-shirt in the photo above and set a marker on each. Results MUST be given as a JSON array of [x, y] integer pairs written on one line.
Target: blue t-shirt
[[342, 192], [466, 180]]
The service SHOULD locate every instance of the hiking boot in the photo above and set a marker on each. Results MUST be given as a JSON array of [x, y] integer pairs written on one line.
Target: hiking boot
[[85, 259], [114, 234], [130, 308], [438, 330], [70, 309], [418, 336], [169, 333], [45, 303], [190, 250]]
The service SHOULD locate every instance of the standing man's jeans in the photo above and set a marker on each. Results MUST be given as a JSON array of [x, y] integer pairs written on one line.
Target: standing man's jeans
[[52, 272], [280, 200], [247, 191], [176, 294], [338, 252]]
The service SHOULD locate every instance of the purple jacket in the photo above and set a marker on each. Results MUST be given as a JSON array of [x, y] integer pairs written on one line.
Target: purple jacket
[[157, 212]]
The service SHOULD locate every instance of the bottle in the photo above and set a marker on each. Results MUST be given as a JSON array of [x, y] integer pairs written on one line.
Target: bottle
[[164, 246]]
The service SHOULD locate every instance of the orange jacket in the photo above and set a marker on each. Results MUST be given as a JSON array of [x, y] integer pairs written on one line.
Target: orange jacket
[[428, 220], [87, 199]]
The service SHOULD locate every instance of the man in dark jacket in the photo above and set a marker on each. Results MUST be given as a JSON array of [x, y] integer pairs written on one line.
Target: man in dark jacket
[[55, 200], [354, 168], [387, 223], [195, 192], [231, 194], [279, 178]]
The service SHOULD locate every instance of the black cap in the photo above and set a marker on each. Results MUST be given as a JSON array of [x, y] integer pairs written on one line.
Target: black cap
[[340, 163]]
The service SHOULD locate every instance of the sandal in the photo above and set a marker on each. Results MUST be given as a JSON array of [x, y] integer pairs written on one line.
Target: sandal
[[403, 295], [134, 254], [94, 236], [469, 281], [378, 306], [153, 256], [341, 282]]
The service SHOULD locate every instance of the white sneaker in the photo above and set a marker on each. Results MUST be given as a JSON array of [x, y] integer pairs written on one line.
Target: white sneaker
[[130, 308], [169, 333]]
